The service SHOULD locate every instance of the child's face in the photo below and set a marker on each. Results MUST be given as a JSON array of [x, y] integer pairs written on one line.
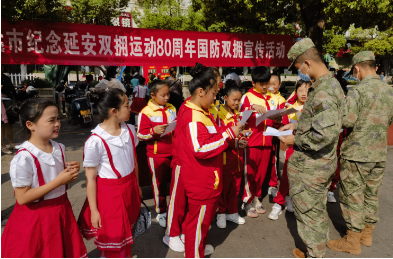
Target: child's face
[[123, 114], [162, 96], [48, 125], [261, 87], [208, 97], [274, 83], [233, 100], [302, 92]]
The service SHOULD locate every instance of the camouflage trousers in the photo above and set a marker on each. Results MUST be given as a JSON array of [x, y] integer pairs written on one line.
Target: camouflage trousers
[[359, 183], [308, 188]]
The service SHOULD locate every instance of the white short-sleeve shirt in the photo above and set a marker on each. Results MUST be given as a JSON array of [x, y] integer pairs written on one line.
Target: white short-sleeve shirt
[[141, 91], [121, 149], [23, 171]]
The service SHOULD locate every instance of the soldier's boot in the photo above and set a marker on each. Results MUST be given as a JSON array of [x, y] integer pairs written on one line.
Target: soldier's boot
[[350, 243], [367, 235], [298, 254]]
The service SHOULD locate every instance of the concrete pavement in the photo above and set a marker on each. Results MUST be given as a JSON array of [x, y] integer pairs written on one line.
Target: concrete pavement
[[259, 237]]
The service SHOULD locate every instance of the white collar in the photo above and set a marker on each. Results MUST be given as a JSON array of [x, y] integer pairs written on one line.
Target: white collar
[[118, 141], [47, 158]]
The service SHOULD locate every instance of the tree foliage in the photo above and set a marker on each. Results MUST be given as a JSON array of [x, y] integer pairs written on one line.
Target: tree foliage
[[380, 42], [79, 11], [168, 14]]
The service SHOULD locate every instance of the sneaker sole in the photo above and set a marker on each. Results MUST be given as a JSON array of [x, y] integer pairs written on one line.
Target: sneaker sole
[[221, 226], [166, 242], [275, 218], [239, 223], [253, 216]]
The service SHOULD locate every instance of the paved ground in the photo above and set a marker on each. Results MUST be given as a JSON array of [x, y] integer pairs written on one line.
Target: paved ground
[[259, 237]]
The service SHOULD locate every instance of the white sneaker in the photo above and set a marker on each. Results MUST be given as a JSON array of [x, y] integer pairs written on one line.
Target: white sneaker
[[221, 221], [235, 217], [5, 150], [174, 243], [330, 197], [250, 210], [209, 249], [288, 203], [161, 218], [272, 191], [258, 206], [276, 211], [183, 238]]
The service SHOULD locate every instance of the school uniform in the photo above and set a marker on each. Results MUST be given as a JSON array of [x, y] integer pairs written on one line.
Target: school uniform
[[257, 156], [276, 147], [283, 189], [202, 145], [232, 166], [45, 227], [118, 200], [139, 101], [159, 149]]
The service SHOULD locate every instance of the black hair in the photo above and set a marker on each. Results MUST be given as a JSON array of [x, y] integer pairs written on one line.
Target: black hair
[[300, 83], [142, 80], [231, 86], [111, 98], [310, 54], [278, 76], [156, 85], [202, 77], [111, 73], [89, 78], [368, 64], [260, 74], [32, 110], [340, 73]]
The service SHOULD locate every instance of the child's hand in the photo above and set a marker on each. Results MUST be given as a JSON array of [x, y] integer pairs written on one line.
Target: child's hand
[[259, 108], [74, 164], [68, 175], [160, 129], [243, 143], [237, 129], [96, 219]]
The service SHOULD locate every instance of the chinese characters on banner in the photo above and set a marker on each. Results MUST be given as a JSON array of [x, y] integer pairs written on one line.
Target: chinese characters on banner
[[31, 42]]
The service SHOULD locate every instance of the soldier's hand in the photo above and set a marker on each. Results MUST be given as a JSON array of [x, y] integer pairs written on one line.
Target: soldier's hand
[[288, 140], [287, 127]]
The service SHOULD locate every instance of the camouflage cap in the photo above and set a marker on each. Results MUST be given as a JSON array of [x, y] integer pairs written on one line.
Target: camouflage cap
[[299, 48], [360, 57]]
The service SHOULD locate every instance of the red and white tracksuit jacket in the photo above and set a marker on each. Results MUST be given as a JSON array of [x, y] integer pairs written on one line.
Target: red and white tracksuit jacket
[[202, 145], [232, 165], [257, 156], [159, 149]]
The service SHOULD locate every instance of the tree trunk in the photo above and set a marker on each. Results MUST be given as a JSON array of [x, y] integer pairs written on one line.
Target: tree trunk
[[314, 20]]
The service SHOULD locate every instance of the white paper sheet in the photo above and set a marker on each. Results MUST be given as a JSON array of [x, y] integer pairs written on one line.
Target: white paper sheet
[[276, 133], [272, 113], [246, 115], [171, 127]]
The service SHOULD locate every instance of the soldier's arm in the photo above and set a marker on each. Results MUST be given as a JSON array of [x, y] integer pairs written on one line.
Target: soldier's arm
[[351, 109], [324, 129]]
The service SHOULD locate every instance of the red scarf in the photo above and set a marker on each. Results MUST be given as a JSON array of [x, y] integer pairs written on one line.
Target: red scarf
[[164, 116], [259, 95]]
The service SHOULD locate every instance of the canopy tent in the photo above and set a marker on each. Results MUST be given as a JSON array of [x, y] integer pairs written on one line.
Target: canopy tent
[[34, 42]]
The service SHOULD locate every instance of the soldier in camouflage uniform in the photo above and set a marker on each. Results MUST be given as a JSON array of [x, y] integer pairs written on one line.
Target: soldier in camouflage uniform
[[314, 161], [368, 113]]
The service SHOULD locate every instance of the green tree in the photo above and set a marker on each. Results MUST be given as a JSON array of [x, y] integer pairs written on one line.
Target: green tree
[[380, 42], [168, 14]]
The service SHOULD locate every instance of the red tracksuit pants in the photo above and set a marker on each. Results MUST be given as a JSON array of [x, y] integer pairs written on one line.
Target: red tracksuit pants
[[197, 223], [274, 162], [177, 205], [231, 187], [160, 169], [256, 160], [283, 189]]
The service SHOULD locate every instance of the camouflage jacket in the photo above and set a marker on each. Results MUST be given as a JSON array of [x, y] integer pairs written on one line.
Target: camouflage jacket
[[318, 129], [368, 113]]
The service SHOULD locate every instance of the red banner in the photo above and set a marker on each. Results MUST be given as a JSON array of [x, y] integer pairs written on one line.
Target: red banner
[[29, 42]]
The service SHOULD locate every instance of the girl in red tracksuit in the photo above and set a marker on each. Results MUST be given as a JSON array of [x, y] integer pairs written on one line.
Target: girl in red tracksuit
[[201, 143], [153, 120], [232, 159], [283, 190], [113, 194], [42, 224]]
